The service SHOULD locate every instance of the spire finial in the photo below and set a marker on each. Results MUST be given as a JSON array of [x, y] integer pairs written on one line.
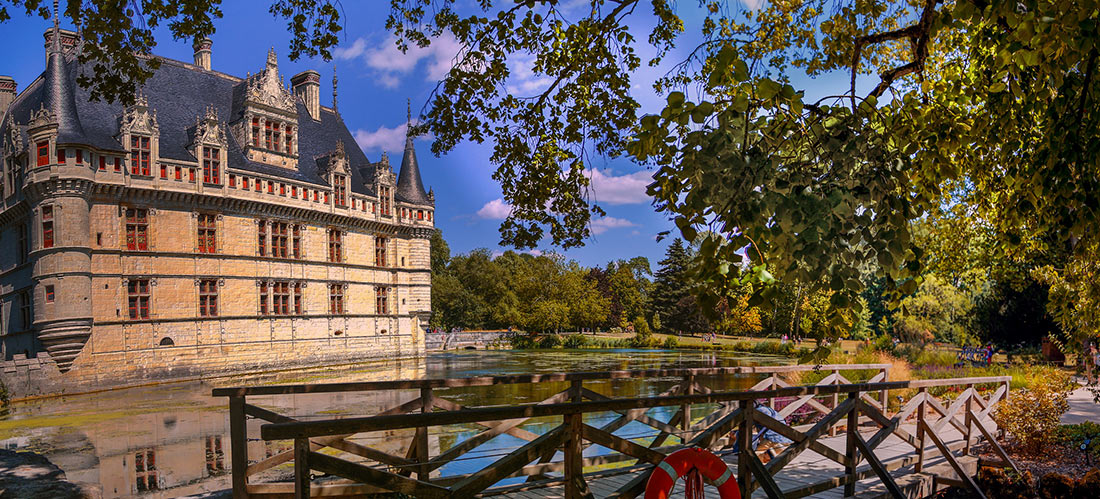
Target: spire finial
[[408, 111], [56, 43], [272, 59], [334, 80]]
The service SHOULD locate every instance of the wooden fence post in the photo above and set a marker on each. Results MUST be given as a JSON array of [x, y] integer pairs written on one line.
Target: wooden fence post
[[969, 423], [238, 443], [301, 468], [851, 451], [922, 393], [685, 422], [744, 447], [775, 384], [426, 405], [836, 399], [886, 393], [574, 462]]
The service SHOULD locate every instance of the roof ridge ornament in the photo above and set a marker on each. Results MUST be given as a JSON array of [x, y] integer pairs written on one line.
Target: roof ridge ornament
[[334, 80], [55, 45]]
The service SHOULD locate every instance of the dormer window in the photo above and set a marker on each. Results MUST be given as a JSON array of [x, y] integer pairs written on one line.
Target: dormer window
[[276, 137], [289, 140], [340, 186], [256, 132], [43, 153], [267, 134], [139, 155], [211, 165]]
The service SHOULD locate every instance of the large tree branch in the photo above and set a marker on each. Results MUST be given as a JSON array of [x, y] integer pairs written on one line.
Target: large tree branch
[[918, 34]]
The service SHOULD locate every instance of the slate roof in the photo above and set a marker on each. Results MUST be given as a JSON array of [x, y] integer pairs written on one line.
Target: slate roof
[[179, 93], [410, 188]]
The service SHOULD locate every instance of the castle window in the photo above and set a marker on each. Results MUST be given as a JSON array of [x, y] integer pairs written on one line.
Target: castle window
[[267, 134], [26, 309], [43, 153], [384, 195], [335, 245], [118, 165], [256, 184], [380, 300], [137, 229], [208, 233], [276, 137], [289, 140], [22, 243], [232, 181], [296, 241], [167, 342], [262, 246], [145, 468], [211, 165], [49, 294], [47, 226], [215, 457], [60, 156], [380, 251], [278, 239], [244, 183], [298, 298], [315, 196], [191, 175], [420, 214], [340, 184], [179, 173], [79, 157], [293, 191], [280, 291], [326, 197], [208, 298], [335, 298], [429, 216], [137, 291], [282, 189], [256, 132], [139, 155], [102, 163], [163, 171], [263, 299], [270, 187]]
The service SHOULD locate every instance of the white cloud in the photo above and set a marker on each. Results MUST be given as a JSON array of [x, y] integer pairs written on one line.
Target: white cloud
[[603, 224], [753, 4], [622, 189], [382, 139], [496, 209], [389, 64]]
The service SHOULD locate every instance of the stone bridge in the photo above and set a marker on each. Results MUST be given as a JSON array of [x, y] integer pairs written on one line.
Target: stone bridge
[[468, 340]]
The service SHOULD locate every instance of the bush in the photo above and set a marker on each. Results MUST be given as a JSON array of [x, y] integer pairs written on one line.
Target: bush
[[643, 341], [883, 343], [1055, 486], [641, 326], [575, 340], [520, 341], [1002, 484], [671, 343], [550, 341], [1033, 415]]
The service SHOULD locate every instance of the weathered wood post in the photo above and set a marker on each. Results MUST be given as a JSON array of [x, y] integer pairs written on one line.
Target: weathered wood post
[[971, 390], [922, 392], [744, 447], [774, 385], [301, 468], [423, 472], [574, 464], [836, 399], [685, 422], [238, 442], [886, 393], [850, 448]]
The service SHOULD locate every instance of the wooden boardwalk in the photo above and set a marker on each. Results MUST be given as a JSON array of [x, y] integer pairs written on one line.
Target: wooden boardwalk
[[578, 443]]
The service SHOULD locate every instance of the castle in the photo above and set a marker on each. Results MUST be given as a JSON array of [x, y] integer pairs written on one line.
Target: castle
[[217, 225]]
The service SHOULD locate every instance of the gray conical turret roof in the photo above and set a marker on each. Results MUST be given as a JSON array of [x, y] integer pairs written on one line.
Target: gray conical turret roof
[[410, 188], [59, 93]]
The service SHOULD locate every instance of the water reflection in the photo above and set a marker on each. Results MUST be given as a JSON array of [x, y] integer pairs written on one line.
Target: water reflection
[[173, 440]]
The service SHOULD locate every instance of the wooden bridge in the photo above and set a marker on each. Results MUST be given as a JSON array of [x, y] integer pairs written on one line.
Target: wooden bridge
[[581, 443]]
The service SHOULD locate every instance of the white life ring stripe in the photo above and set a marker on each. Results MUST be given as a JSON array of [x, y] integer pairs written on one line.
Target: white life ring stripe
[[669, 469], [722, 479]]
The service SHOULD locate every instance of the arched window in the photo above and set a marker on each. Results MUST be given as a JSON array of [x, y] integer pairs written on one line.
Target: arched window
[[166, 342]]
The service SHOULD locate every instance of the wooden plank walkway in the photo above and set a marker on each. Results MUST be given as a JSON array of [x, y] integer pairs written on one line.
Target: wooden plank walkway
[[808, 469]]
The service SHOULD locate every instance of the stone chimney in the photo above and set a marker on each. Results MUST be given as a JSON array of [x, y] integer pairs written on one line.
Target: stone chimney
[[202, 53], [7, 93], [307, 85], [68, 41]]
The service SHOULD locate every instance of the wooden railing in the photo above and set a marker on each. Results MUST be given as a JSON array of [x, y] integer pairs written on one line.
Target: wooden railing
[[834, 401]]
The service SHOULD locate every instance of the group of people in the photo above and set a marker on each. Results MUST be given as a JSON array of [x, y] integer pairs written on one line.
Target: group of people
[[976, 355]]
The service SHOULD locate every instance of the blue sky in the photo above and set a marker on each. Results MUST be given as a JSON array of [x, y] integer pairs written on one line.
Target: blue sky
[[375, 79]]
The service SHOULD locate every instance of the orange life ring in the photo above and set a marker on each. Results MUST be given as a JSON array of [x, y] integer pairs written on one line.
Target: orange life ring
[[679, 463]]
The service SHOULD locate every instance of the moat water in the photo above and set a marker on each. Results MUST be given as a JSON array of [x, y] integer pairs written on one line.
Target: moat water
[[173, 440]]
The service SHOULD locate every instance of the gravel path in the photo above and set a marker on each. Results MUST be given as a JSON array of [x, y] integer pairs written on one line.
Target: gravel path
[[1081, 408]]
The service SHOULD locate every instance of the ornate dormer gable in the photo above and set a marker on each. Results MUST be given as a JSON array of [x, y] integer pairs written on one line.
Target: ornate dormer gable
[[139, 133], [42, 118], [268, 126], [13, 141], [384, 182], [209, 146], [138, 118], [336, 169]]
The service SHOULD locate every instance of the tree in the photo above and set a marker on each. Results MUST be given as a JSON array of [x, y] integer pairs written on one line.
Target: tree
[[119, 37], [673, 300], [935, 312]]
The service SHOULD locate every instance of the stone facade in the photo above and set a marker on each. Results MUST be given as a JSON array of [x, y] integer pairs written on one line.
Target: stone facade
[[217, 225]]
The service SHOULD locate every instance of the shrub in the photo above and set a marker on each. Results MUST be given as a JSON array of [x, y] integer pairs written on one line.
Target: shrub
[[1033, 415], [1055, 486], [521, 341], [671, 343], [575, 340], [643, 341], [883, 343], [641, 326], [936, 358], [550, 341], [1002, 484]]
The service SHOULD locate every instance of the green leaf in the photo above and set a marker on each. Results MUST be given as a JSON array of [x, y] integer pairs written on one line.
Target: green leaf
[[997, 88], [766, 89]]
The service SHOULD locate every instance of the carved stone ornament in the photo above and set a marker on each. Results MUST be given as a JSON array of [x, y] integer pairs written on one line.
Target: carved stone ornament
[[267, 87], [13, 143], [138, 118], [207, 130], [337, 161], [42, 117]]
